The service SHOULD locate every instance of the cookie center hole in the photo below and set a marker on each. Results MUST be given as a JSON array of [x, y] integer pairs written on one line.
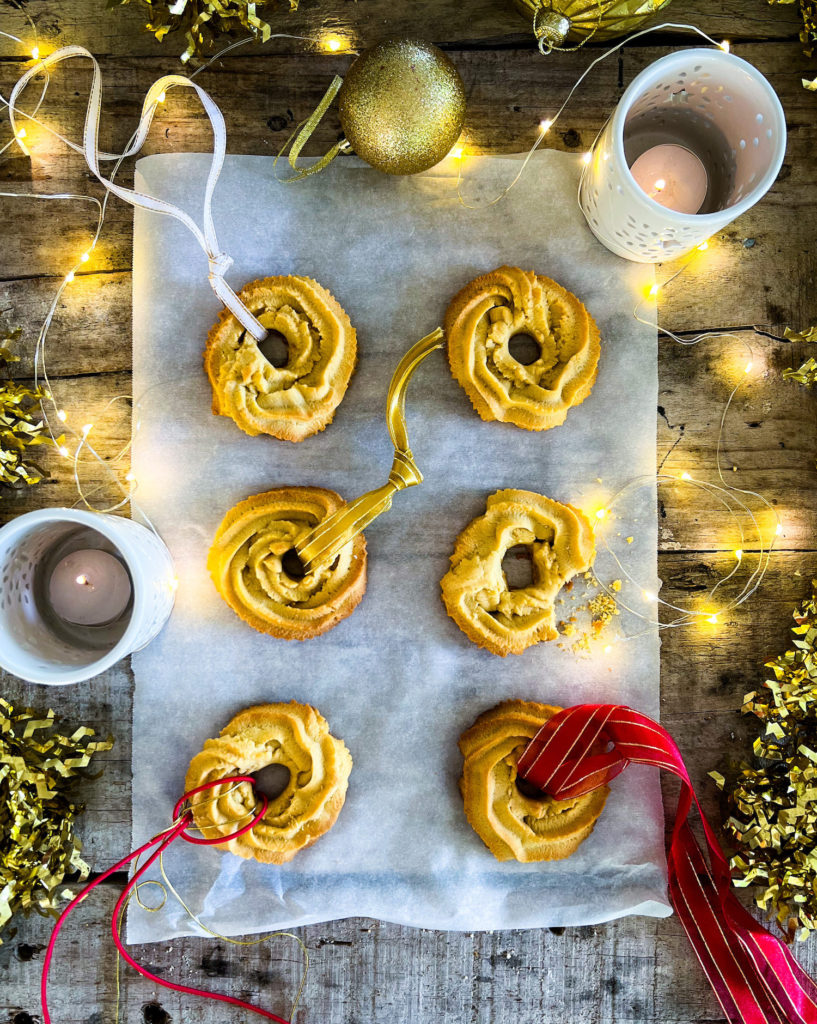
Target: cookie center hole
[[272, 780], [517, 565], [292, 565], [530, 791], [524, 349], [275, 349]]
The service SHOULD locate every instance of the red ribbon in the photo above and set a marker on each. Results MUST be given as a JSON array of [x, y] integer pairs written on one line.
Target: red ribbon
[[159, 843], [753, 974]]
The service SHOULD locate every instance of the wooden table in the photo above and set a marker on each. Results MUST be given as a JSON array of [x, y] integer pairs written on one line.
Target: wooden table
[[759, 271]]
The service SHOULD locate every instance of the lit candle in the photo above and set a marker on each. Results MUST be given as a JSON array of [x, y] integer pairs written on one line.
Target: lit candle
[[673, 176], [89, 588]]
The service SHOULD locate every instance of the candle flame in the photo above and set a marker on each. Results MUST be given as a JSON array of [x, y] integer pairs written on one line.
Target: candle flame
[[83, 580], [660, 185]]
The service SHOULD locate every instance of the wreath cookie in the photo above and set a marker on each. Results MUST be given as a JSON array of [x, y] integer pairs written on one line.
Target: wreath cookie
[[475, 591], [293, 735], [252, 565], [519, 824], [297, 399], [479, 325]]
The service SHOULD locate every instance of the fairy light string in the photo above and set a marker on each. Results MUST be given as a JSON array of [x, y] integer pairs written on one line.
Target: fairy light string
[[84, 449], [546, 124], [155, 98]]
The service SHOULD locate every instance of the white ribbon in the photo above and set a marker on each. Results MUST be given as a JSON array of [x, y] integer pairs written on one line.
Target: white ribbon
[[218, 262]]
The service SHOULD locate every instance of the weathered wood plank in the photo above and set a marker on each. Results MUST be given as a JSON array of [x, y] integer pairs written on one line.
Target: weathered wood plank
[[365, 22], [634, 971], [770, 283]]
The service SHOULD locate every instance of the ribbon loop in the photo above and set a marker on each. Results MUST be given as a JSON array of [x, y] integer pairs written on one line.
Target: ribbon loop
[[218, 262], [303, 133], [323, 544], [752, 973]]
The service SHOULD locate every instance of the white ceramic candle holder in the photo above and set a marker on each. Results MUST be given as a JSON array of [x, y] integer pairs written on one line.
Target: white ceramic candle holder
[[39, 650], [712, 103]]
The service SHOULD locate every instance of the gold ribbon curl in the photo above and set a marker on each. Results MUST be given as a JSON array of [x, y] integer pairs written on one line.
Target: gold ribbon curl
[[323, 544], [303, 132]]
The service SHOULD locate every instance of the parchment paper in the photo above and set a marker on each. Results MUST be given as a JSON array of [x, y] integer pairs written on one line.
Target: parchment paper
[[397, 680]]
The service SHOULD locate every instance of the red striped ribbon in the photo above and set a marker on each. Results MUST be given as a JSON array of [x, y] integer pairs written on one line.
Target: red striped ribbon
[[753, 974]]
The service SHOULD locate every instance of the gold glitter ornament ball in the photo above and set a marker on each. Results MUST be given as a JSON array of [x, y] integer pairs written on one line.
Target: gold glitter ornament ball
[[402, 105]]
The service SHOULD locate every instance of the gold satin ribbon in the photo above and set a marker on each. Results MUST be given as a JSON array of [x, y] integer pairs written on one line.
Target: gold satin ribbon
[[304, 133], [323, 544]]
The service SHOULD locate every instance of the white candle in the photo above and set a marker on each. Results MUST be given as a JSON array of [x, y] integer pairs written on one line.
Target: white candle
[[89, 588], [673, 176]]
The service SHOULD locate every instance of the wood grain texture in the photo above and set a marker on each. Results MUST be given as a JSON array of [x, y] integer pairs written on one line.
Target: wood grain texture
[[762, 270], [446, 22]]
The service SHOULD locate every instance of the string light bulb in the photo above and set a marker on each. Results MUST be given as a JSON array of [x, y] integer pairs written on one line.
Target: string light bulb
[[332, 43], [601, 514], [161, 97], [660, 185], [648, 595], [62, 416], [686, 476], [21, 133], [713, 619], [654, 290], [35, 53], [130, 476], [608, 648], [86, 430], [69, 277], [456, 152], [544, 125], [724, 45], [778, 529], [63, 451], [85, 257], [587, 158], [747, 368], [703, 246], [738, 553]]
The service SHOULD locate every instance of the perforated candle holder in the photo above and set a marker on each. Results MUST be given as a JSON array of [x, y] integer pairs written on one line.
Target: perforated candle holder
[[34, 643], [715, 105]]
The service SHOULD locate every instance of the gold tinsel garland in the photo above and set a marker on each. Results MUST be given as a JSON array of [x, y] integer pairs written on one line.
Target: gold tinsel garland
[[21, 423], [773, 804], [205, 21], [39, 767], [808, 33]]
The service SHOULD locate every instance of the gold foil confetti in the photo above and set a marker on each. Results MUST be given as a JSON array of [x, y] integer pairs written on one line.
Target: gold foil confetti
[[773, 803], [805, 374], [39, 768], [808, 33], [21, 423], [203, 23], [810, 334]]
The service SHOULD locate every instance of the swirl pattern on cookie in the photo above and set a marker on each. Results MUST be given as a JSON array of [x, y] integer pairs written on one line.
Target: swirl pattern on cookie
[[293, 735], [251, 563], [297, 399], [487, 314], [519, 824], [475, 589]]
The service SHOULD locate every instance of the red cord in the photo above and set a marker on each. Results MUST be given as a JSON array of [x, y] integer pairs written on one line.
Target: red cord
[[161, 843]]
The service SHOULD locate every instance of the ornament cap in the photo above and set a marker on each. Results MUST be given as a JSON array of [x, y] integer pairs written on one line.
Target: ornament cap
[[550, 28]]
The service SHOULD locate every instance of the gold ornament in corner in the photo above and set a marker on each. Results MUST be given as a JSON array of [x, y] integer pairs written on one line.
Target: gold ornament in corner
[[569, 24]]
